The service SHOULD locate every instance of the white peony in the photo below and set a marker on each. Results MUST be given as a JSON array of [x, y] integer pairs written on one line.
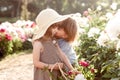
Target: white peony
[[79, 77], [93, 31], [113, 26], [103, 38]]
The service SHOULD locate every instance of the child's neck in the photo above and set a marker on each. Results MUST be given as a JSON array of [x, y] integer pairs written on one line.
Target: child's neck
[[46, 38]]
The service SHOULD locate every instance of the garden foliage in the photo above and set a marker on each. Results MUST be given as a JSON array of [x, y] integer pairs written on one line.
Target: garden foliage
[[15, 36], [101, 54]]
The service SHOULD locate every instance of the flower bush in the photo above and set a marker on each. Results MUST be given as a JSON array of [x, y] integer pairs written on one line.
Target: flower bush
[[13, 36], [5, 43], [105, 58], [98, 49], [87, 69]]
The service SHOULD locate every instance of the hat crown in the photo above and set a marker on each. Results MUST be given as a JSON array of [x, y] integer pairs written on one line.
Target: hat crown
[[46, 16]]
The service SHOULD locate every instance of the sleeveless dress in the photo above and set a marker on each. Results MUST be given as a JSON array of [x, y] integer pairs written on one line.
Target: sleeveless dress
[[49, 56]]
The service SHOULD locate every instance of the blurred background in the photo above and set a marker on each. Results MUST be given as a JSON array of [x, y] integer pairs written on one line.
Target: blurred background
[[12, 10]]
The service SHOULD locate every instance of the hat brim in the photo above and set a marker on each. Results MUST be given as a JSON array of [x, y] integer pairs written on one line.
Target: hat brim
[[41, 31]]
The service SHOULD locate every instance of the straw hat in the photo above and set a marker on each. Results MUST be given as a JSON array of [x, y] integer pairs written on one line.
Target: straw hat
[[45, 19]]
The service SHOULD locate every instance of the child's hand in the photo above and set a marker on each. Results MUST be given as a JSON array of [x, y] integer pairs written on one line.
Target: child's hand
[[56, 66], [60, 65]]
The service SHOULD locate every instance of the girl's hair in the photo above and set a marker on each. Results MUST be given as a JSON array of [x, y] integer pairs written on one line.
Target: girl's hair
[[69, 25], [48, 33]]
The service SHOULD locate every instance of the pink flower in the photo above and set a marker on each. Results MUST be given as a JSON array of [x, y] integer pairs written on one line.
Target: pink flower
[[84, 63], [2, 30], [33, 25], [70, 72], [23, 37], [85, 13], [27, 25], [92, 70], [8, 37], [0, 38]]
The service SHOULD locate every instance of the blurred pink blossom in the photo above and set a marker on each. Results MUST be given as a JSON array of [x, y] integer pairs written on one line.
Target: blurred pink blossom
[[85, 13], [92, 70], [84, 63], [8, 37]]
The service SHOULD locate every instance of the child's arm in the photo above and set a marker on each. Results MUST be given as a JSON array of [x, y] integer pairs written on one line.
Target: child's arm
[[66, 60]]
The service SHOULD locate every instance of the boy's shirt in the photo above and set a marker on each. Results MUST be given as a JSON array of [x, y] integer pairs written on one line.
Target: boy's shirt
[[68, 50]]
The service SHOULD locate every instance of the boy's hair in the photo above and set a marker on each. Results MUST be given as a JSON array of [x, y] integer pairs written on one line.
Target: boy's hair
[[69, 25]]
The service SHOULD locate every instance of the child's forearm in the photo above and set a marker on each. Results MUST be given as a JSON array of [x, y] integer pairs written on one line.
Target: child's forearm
[[65, 59]]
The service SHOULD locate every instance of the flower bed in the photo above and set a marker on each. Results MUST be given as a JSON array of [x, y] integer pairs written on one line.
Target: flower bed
[[13, 36], [98, 46]]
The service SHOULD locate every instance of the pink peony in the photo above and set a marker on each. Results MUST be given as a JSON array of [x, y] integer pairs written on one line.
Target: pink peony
[[8, 37], [85, 13], [84, 63], [0, 38], [70, 72], [2, 30], [92, 70], [33, 25]]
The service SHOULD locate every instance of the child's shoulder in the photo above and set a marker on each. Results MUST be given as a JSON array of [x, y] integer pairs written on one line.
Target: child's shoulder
[[37, 43], [63, 42]]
